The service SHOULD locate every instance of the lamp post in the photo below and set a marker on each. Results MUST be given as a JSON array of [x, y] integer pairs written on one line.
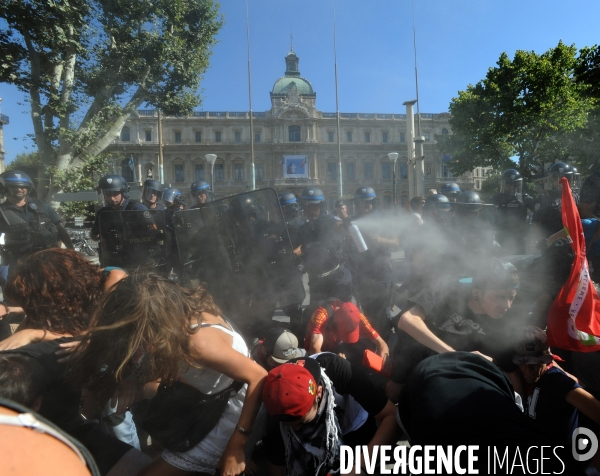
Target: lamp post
[[211, 158], [393, 156]]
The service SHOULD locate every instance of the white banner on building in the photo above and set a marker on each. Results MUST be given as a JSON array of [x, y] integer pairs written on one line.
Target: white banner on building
[[295, 166]]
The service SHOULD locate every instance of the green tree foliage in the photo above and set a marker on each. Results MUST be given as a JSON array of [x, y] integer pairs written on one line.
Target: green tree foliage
[[524, 107], [87, 64], [28, 163]]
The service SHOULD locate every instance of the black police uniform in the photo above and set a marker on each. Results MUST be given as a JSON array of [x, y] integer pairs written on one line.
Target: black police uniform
[[27, 229], [511, 222], [547, 212]]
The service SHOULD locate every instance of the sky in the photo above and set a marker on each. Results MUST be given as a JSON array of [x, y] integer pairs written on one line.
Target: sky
[[457, 41]]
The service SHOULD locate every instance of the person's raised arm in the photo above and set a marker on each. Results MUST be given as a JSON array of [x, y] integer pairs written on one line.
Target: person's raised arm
[[316, 342], [585, 402], [413, 323], [214, 352]]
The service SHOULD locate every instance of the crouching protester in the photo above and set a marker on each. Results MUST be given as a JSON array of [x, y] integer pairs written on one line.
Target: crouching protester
[[150, 330], [310, 420], [456, 316]]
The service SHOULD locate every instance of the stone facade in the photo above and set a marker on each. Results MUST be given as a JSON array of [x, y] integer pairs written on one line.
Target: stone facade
[[293, 126]]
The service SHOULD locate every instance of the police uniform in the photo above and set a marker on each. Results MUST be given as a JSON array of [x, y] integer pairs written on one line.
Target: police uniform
[[547, 212], [511, 222], [27, 229]]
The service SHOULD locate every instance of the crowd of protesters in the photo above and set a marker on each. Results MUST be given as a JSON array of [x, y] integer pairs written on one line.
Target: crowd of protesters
[[149, 377]]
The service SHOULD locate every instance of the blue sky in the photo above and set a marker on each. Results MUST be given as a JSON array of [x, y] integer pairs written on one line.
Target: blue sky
[[457, 40]]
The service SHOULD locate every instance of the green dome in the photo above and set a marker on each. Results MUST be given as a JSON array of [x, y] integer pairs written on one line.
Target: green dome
[[282, 85]]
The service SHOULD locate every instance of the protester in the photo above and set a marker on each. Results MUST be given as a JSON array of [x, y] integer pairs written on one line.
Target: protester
[[149, 329]]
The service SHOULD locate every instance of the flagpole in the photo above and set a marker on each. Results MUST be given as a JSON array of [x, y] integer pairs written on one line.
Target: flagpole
[[337, 108], [252, 168]]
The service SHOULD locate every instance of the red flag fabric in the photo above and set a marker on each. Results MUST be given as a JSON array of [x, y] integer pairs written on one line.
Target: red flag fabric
[[574, 318]]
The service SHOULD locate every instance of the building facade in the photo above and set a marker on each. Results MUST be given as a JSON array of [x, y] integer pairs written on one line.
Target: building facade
[[293, 126]]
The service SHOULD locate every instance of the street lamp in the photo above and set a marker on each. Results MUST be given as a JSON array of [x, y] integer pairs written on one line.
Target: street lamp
[[393, 156], [211, 158]]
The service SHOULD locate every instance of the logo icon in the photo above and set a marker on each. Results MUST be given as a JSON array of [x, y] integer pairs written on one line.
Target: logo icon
[[146, 214], [312, 388], [310, 192], [584, 444], [109, 180]]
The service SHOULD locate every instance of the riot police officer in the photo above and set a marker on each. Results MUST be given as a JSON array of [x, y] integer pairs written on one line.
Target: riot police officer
[[28, 224], [172, 201], [201, 194], [511, 213], [451, 190], [112, 193], [547, 217], [152, 194], [372, 269], [291, 211], [436, 209], [474, 227]]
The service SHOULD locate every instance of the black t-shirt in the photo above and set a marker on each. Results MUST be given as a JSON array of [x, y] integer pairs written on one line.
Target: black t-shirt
[[347, 379], [547, 408]]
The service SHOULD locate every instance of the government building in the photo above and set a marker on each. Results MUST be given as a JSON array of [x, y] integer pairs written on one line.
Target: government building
[[292, 128]]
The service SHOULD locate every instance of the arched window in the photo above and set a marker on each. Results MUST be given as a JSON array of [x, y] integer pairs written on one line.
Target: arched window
[[125, 134], [294, 134], [444, 131], [127, 169]]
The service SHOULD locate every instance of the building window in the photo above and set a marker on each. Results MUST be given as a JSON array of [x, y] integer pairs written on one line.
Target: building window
[[257, 137], [219, 173], [444, 131], [330, 136], [350, 171], [428, 170], [258, 172], [444, 171], [179, 175], [331, 171], [217, 136], [125, 135], [238, 172], [199, 173], [478, 183], [386, 170], [427, 136], [476, 172], [178, 137], [294, 134], [198, 136], [402, 137], [126, 170], [387, 201], [403, 170], [348, 136], [368, 170], [367, 137], [148, 136], [384, 137], [238, 136]]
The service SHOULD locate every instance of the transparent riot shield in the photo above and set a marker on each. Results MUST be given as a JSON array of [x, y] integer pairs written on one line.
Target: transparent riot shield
[[239, 246], [133, 239]]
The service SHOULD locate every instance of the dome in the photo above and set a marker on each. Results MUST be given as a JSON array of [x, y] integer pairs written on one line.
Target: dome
[[283, 85]]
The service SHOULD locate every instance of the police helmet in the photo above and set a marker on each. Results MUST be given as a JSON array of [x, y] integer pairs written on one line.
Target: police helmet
[[576, 180], [16, 178], [468, 201], [557, 171], [243, 207], [437, 202], [312, 195], [151, 187], [172, 195], [113, 183], [450, 189], [365, 194], [511, 182], [200, 188], [289, 204]]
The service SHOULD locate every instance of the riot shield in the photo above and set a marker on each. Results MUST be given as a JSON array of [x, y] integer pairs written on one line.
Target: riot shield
[[240, 247], [133, 239]]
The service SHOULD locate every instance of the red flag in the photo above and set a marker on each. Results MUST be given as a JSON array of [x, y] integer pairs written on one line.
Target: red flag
[[574, 318]]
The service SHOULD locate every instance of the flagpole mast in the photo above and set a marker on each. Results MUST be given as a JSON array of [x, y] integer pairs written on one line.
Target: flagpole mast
[[252, 168], [337, 108]]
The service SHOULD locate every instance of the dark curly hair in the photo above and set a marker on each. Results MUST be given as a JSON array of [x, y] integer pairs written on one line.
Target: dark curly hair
[[145, 319], [58, 289]]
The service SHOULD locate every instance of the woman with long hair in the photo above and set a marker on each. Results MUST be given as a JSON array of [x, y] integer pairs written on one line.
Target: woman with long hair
[[58, 289], [149, 329]]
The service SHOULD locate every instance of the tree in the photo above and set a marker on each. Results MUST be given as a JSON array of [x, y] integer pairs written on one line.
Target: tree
[[523, 108], [88, 64]]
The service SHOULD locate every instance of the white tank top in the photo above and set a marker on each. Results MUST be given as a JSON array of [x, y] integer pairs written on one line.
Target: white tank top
[[210, 381]]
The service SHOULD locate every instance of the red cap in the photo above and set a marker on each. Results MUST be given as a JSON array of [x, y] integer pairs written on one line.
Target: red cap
[[290, 391], [347, 319]]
